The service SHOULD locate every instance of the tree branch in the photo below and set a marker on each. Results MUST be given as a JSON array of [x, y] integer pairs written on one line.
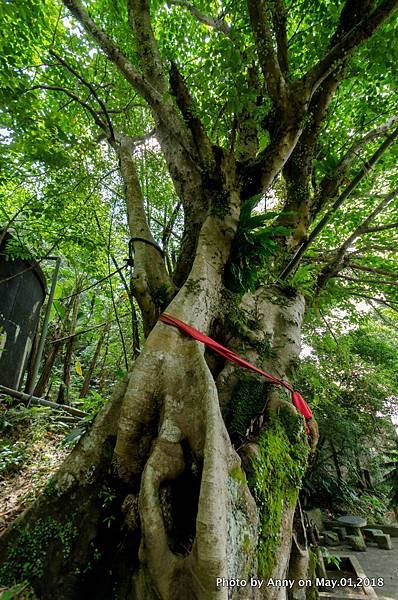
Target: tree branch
[[146, 45], [331, 182], [273, 75], [278, 9], [186, 106], [298, 211], [212, 22], [378, 228], [352, 153], [132, 75], [339, 201], [168, 228], [389, 303], [151, 283], [167, 232], [80, 332], [89, 87], [29, 399], [363, 227], [338, 263], [356, 266], [366, 281], [258, 174], [244, 130], [174, 136], [58, 88], [155, 74], [375, 248], [347, 44]]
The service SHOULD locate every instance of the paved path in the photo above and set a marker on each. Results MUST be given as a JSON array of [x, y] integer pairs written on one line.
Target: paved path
[[378, 563]]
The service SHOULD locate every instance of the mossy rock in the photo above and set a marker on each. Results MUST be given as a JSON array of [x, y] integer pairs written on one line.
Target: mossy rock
[[356, 542]]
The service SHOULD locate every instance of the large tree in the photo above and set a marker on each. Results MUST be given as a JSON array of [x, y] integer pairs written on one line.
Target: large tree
[[276, 123]]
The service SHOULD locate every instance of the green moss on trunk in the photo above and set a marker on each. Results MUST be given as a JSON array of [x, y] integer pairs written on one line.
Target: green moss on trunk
[[248, 401], [275, 481]]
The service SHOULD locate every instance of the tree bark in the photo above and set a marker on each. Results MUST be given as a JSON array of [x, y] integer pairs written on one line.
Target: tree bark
[[170, 431], [273, 344]]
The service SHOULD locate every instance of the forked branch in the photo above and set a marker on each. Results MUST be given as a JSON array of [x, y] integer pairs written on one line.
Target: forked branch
[[72, 96], [360, 32], [273, 75], [90, 88], [113, 52]]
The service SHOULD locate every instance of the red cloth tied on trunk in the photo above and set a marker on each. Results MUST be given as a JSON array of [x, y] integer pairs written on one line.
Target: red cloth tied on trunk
[[297, 398]]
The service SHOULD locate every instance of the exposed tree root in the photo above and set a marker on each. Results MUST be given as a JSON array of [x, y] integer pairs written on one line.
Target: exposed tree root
[[191, 437]]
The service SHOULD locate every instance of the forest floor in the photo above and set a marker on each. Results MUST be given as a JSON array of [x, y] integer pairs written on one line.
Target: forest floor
[[31, 449], [18, 489]]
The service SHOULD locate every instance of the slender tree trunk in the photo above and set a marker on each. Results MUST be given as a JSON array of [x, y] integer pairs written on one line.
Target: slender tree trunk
[[336, 461], [103, 364], [93, 362], [49, 362], [63, 394], [134, 327], [33, 354]]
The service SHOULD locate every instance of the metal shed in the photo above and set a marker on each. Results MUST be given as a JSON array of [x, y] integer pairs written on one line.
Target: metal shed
[[22, 293]]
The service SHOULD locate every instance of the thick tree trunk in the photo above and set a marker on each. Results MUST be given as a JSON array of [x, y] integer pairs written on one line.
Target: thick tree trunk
[[153, 502], [267, 328]]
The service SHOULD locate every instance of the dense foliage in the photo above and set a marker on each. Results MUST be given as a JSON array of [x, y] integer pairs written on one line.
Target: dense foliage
[[350, 374]]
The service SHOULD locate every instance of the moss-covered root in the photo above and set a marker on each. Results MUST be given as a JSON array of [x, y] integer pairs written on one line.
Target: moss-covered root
[[312, 591], [277, 469]]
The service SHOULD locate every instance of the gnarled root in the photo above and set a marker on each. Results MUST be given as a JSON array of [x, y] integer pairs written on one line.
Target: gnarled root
[[191, 442]]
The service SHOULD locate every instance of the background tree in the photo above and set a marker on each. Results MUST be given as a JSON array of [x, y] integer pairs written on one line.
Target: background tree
[[349, 375], [276, 108]]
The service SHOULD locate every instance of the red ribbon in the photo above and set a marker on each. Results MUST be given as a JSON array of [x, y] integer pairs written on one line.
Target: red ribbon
[[297, 398]]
